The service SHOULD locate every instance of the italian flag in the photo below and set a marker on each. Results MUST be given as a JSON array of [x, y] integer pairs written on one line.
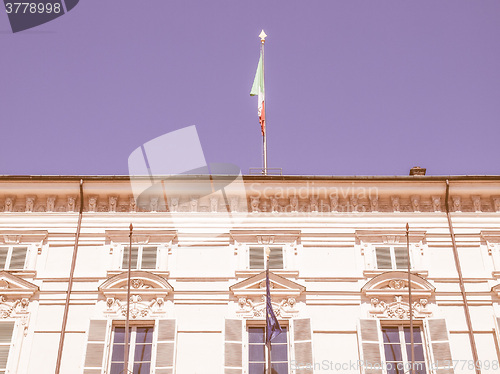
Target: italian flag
[[258, 90]]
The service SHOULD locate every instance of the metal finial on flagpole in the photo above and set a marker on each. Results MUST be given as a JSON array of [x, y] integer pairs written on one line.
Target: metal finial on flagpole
[[262, 36]]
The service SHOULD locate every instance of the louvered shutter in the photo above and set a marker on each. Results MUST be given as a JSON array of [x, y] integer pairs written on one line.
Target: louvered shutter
[[401, 254], [497, 327], [369, 341], [233, 346], [276, 258], [3, 256], [95, 347], [256, 257], [165, 346], [148, 258], [383, 257], [135, 252], [6, 329], [302, 342], [440, 345], [18, 258]]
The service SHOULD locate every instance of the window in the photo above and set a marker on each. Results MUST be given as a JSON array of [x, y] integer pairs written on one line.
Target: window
[[13, 257], [141, 347], [143, 257], [258, 353], [392, 258], [257, 256], [6, 329], [397, 349]]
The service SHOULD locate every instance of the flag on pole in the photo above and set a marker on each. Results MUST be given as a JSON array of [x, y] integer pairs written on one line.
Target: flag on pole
[[273, 328], [258, 90]]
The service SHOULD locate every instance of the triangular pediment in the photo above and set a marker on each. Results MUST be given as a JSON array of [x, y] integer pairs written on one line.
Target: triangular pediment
[[396, 282], [14, 287], [141, 283], [256, 285]]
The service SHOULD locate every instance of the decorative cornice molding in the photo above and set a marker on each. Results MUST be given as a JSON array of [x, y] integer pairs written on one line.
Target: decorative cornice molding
[[389, 236], [265, 236], [23, 236], [141, 236]]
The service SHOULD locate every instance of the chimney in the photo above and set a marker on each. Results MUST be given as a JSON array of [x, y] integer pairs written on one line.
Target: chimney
[[417, 170]]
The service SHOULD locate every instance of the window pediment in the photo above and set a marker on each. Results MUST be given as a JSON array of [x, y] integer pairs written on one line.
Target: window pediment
[[389, 236], [256, 286], [142, 283], [396, 282], [23, 236], [141, 236], [265, 236]]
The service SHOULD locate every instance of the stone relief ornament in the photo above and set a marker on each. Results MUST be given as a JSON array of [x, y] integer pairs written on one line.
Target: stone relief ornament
[[294, 204], [138, 307], [496, 203], [334, 203], [51, 202], [233, 203], [92, 203], [132, 204], [15, 309], [30, 203], [256, 308], [353, 202], [398, 309], [9, 204], [457, 203], [254, 203], [415, 203], [374, 203], [70, 204], [193, 204], [174, 204], [214, 204], [313, 201], [436, 203], [274, 204], [395, 203], [476, 202], [112, 203], [153, 204]]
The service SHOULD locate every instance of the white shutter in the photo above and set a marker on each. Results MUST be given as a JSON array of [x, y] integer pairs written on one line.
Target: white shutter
[[440, 346], [369, 346], [95, 347], [165, 346], [6, 329], [302, 342], [233, 346], [401, 254], [276, 258], [135, 252], [3, 256], [383, 257], [149, 258], [256, 257]]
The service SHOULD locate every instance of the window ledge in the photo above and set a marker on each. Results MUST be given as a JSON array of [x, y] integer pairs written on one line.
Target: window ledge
[[161, 273], [282, 272], [23, 273], [374, 272]]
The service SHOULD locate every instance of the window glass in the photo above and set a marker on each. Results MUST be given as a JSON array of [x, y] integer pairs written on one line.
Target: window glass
[[257, 354], [18, 258], [140, 351]]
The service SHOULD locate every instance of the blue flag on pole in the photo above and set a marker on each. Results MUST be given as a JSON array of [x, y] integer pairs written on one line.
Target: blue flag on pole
[[273, 328]]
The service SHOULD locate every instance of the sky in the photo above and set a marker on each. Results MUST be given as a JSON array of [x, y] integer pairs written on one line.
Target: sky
[[353, 87]]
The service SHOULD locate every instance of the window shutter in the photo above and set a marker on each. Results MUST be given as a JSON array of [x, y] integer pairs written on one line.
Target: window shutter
[[401, 254], [165, 346], [276, 258], [233, 346], [369, 341], [18, 258], [135, 251], [3, 256], [256, 258], [149, 258], [6, 329], [95, 347], [302, 342], [383, 257], [440, 344]]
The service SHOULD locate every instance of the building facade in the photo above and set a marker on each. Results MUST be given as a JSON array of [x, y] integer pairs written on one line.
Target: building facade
[[338, 273]]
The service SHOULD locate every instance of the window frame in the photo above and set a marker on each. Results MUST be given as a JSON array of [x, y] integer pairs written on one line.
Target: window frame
[[8, 257], [262, 324], [394, 261], [140, 258], [133, 326], [263, 247], [402, 343]]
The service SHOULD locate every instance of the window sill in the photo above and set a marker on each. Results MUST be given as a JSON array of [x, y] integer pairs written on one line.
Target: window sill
[[375, 272]]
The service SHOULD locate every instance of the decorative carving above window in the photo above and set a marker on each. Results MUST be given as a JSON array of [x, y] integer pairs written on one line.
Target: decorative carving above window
[[141, 236], [147, 294]]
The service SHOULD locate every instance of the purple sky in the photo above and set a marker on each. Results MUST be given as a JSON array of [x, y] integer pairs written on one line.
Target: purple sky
[[353, 87]]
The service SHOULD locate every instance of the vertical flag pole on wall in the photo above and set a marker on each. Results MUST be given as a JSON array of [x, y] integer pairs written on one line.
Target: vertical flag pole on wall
[[127, 337], [273, 328], [258, 89], [412, 348]]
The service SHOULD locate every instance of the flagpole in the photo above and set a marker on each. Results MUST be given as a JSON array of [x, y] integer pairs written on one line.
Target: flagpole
[[264, 135], [268, 371], [127, 338], [412, 346]]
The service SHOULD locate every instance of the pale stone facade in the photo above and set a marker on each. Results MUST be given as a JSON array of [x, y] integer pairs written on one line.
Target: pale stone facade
[[339, 284]]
